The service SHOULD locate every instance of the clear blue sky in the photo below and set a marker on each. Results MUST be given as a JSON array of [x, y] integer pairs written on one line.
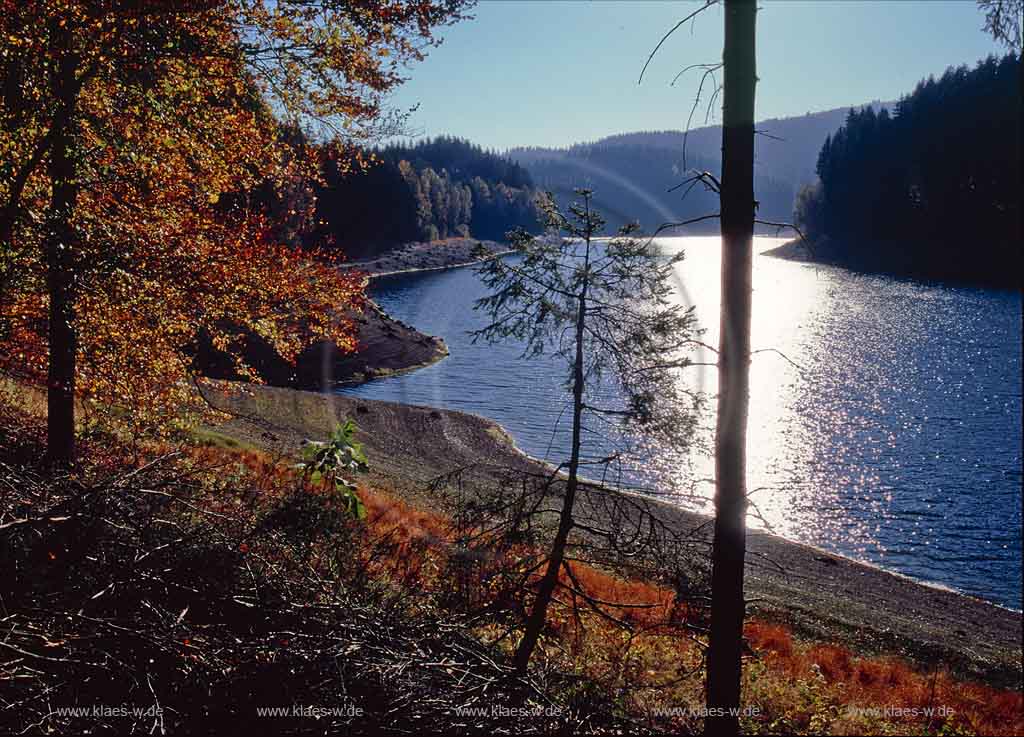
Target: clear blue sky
[[538, 72]]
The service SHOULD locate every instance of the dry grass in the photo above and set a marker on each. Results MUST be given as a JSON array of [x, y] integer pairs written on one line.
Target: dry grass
[[799, 686], [653, 666], [205, 582]]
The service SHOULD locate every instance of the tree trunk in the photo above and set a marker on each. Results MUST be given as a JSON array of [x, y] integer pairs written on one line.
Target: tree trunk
[[737, 216], [60, 398], [538, 615]]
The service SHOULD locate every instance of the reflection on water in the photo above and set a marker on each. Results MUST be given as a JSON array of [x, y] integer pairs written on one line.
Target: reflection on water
[[884, 422]]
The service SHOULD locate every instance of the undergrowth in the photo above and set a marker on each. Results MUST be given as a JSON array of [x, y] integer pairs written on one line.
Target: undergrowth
[[200, 583]]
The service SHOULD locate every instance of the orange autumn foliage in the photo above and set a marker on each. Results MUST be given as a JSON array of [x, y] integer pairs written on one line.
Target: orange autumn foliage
[[187, 186], [411, 548], [423, 541]]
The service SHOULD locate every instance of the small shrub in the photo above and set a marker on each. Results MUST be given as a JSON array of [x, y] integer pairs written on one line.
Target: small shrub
[[330, 461]]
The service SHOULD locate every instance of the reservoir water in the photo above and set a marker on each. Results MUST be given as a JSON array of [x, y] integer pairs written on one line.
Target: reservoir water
[[885, 417]]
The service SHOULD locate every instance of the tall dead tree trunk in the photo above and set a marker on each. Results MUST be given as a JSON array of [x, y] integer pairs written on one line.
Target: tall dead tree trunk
[[59, 254], [737, 217]]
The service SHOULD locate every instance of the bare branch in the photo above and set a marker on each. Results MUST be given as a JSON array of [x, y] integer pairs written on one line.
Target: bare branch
[[693, 66], [694, 14], [777, 351]]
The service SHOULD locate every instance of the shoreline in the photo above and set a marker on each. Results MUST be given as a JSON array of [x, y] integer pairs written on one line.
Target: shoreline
[[388, 346], [798, 251], [820, 594], [419, 256], [793, 250], [456, 255]]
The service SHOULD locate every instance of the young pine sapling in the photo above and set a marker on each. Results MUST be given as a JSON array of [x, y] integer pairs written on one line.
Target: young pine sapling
[[607, 309]]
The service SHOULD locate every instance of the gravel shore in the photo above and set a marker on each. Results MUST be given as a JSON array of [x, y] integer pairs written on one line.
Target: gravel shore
[[819, 594]]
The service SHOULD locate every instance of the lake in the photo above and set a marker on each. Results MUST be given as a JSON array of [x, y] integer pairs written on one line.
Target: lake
[[885, 416]]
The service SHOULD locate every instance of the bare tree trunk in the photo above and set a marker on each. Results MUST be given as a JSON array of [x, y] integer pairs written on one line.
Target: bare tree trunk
[[59, 256], [546, 590], [727, 607]]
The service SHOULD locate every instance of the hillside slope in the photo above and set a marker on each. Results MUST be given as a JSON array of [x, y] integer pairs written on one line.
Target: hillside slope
[[633, 174]]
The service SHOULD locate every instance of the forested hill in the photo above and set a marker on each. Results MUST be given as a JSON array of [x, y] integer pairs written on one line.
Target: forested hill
[[632, 173], [446, 186], [933, 189], [436, 188], [634, 183]]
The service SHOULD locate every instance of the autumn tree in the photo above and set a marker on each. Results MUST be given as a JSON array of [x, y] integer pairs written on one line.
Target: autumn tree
[[131, 138]]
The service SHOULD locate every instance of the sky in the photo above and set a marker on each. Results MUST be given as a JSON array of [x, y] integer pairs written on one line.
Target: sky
[[552, 73]]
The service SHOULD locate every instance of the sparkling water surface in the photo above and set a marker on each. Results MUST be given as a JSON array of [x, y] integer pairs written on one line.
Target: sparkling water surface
[[885, 417]]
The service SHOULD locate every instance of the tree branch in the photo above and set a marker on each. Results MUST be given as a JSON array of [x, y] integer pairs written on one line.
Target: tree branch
[[694, 14]]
